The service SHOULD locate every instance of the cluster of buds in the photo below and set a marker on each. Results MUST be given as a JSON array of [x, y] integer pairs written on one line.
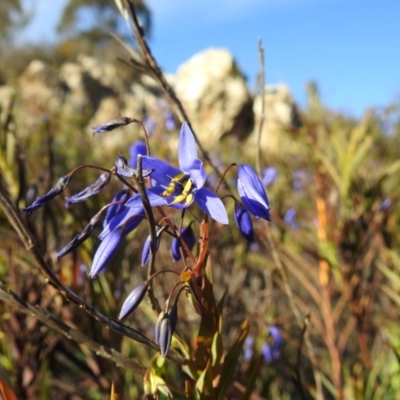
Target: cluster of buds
[[164, 185]]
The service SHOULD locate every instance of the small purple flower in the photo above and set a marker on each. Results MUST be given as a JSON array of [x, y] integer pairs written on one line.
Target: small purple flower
[[90, 191], [133, 300], [170, 124], [149, 125], [58, 188], [248, 348], [179, 187], [269, 175], [188, 236], [111, 125], [243, 222], [385, 205], [137, 148], [289, 218], [299, 178], [271, 351], [252, 192]]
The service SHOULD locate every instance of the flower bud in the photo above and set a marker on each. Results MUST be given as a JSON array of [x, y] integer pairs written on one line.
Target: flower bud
[[90, 191], [133, 300], [111, 125], [243, 222], [58, 188]]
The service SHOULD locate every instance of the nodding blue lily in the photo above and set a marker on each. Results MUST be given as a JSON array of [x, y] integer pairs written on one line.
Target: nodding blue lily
[[252, 192], [243, 222], [180, 187], [188, 236]]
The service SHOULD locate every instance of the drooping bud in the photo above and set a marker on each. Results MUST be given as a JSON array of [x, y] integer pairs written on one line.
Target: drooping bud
[[188, 236], [133, 300], [80, 237], [111, 125], [252, 192], [165, 328], [124, 170], [90, 191], [243, 222], [58, 188], [146, 249]]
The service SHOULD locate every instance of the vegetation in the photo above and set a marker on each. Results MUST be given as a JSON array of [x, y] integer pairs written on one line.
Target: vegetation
[[311, 309]]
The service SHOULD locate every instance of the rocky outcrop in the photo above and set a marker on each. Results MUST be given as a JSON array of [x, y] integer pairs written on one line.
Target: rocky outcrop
[[210, 85], [214, 93]]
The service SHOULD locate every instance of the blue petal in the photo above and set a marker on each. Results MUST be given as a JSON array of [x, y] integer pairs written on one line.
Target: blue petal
[[162, 172], [187, 148], [188, 237], [243, 222], [115, 209], [138, 147], [106, 250], [252, 192], [210, 203], [123, 217], [154, 196], [198, 173]]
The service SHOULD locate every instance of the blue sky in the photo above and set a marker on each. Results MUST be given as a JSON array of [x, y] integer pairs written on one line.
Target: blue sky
[[351, 48]]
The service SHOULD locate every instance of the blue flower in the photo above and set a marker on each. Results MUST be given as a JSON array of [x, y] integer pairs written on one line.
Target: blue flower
[[120, 198], [188, 236], [248, 348], [269, 175], [112, 235], [271, 351], [137, 148], [289, 218], [243, 222], [106, 250], [252, 192], [179, 187]]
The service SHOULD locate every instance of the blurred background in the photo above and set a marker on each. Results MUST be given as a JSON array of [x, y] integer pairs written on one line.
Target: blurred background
[[348, 47], [320, 286]]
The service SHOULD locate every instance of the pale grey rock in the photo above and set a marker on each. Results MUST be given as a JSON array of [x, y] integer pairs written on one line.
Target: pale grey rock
[[214, 94], [280, 115]]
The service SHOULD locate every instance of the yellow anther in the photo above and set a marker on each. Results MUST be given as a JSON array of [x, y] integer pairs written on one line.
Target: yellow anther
[[188, 186], [179, 198], [171, 186], [189, 198]]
